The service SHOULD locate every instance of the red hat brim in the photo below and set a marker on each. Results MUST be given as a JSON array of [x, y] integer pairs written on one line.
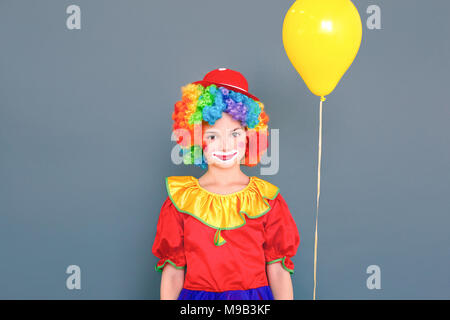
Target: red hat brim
[[207, 83]]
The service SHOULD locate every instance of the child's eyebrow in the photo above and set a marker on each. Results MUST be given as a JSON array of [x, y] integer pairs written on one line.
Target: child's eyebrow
[[214, 130]]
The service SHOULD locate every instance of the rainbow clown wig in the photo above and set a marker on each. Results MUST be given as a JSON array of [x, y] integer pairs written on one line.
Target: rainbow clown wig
[[200, 105]]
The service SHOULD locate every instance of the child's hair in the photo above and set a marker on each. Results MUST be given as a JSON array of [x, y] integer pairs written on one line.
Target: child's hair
[[200, 105]]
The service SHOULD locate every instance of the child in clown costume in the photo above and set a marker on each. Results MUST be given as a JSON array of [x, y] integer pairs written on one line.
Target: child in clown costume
[[223, 236]]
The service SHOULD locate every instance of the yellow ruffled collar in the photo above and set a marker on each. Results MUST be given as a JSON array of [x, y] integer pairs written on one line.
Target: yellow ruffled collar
[[221, 211]]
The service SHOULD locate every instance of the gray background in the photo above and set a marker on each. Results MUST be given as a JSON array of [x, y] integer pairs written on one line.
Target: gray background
[[85, 144]]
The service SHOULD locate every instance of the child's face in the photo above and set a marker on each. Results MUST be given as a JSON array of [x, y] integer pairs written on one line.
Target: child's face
[[225, 142]]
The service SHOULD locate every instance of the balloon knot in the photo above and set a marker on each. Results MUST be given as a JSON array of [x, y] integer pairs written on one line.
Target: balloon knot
[[322, 98]]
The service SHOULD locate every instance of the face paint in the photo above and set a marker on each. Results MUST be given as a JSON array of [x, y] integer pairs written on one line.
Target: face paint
[[225, 145], [225, 157]]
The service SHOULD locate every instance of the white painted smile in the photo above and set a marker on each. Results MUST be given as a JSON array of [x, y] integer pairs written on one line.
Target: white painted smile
[[225, 156]]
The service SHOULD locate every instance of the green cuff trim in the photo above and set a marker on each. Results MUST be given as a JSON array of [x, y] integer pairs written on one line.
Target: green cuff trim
[[159, 269], [291, 271]]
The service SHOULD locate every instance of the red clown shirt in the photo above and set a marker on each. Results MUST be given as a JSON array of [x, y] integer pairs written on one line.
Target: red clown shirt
[[224, 241]]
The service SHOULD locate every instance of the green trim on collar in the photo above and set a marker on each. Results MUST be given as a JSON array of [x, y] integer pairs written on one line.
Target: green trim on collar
[[218, 240]]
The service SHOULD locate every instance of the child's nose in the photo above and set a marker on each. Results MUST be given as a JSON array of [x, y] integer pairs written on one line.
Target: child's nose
[[227, 145]]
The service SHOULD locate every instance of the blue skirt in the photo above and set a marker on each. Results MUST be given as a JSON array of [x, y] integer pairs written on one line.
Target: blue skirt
[[261, 293]]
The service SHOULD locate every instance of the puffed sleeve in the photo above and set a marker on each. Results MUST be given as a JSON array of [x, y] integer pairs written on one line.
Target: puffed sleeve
[[169, 240], [281, 235]]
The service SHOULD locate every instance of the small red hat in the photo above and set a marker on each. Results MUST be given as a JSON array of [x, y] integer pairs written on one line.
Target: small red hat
[[230, 79]]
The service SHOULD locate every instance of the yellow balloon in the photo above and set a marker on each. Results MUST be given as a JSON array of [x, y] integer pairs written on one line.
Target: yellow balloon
[[321, 39]]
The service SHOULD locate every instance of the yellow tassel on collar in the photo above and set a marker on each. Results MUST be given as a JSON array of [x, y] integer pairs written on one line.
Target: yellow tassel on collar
[[221, 212]]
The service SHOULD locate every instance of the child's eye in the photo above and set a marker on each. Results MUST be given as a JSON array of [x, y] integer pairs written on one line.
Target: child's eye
[[236, 134], [211, 137]]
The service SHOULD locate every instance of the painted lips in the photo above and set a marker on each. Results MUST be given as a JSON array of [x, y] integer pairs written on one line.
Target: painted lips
[[225, 156]]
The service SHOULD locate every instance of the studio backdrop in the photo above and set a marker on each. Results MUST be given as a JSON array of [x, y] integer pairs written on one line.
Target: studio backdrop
[[87, 90]]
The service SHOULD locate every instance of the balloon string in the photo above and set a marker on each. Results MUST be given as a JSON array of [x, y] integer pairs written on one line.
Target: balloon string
[[318, 195]]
